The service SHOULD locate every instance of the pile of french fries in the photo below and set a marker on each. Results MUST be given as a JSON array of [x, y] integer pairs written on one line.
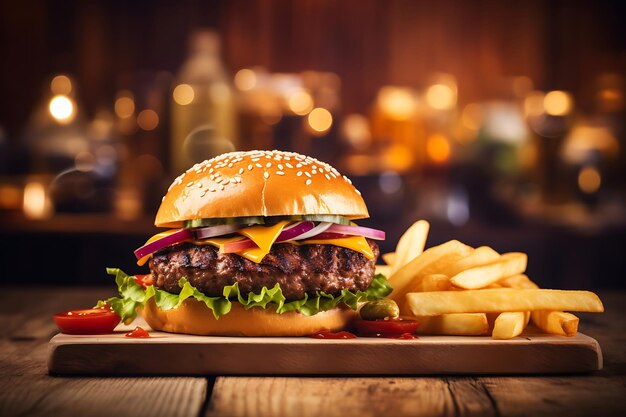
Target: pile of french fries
[[454, 289]]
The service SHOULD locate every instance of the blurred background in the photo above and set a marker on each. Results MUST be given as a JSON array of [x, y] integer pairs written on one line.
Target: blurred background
[[502, 123]]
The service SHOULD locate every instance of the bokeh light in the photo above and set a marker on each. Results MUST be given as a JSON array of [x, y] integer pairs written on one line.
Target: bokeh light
[[245, 79], [533, 104], [320, 120], [148, 119], [438, 148], [300, 102], [124, 105], [183, 94], [397, 103], [440, 97], [61, 84], [62, 109], [557, 103], [589, 180]]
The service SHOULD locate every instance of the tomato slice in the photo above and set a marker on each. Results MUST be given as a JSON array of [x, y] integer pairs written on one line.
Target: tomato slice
[[144, 280], [89, 321], [386, 328]]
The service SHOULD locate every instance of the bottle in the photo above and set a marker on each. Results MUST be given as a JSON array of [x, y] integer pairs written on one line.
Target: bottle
[[203, 107]]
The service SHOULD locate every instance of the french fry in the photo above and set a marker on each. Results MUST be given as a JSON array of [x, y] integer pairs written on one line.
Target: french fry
[[389, 258], [470, 324], [479, 256], [480, 276], [500, 300], [520, 281], [383, 269], [510, 324], [411, 244], [432, 282], [413, 272], [556, 322]]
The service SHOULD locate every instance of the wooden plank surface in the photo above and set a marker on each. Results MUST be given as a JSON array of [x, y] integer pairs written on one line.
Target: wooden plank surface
[[27, 389], [532, 353]]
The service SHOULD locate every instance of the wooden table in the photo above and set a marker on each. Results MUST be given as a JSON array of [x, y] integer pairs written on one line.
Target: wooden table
[[26, 388]]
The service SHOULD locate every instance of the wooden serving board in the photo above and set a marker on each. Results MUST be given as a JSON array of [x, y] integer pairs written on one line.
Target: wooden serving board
[[174, 354]]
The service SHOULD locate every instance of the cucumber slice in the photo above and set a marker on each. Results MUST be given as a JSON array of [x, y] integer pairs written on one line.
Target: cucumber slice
[[330, 218]]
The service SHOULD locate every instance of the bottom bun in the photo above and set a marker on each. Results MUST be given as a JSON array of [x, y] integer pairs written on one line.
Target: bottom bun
[[194, 317]]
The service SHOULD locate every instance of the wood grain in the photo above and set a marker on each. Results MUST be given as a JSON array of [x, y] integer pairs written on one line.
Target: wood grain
[[531, 353], [26, 389]]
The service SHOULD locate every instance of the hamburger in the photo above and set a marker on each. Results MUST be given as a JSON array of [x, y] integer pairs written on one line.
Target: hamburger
[[258, 243]]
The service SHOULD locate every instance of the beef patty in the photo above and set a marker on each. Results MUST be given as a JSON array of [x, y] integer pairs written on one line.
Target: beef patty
[[298, 269]]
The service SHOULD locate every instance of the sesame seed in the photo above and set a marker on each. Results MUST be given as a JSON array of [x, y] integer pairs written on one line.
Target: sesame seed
[[219, 180], [226, 182], [250, 167], [308, 182], [199, 185], [289, 165], [268, 165], [189, 184], [230, 165], [314, 172], [358, 192], [221, 187], [259, 165], [280, 173], [327, 176], [240, 171], [307, 174], [211, 189], [266, 175], [299, 173], [298, 165], [280, 166], [163, 199]]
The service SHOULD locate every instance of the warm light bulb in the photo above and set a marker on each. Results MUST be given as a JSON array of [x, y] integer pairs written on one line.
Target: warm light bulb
[[62, 109]]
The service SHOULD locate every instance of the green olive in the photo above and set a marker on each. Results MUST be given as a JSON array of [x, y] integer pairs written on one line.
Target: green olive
[[379, 309]]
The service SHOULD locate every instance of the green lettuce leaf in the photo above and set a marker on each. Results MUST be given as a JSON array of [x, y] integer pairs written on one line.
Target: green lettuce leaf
[[133, 297]]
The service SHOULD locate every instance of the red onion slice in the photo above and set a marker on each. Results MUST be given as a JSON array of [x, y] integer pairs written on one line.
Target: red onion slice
[[295, 231], [224, 229], [176, 237], [357, 231], [320, 228]]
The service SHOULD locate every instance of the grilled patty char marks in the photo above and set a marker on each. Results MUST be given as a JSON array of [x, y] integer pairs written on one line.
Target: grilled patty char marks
[[298, 269]]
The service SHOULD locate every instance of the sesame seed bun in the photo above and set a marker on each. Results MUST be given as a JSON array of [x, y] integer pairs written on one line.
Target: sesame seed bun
[[259, 183]]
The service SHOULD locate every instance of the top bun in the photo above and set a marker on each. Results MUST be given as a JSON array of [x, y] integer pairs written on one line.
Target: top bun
[[259, 183]]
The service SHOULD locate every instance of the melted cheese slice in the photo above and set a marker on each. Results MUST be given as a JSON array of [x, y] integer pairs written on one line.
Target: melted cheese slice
[[264, 237], [356, 243]]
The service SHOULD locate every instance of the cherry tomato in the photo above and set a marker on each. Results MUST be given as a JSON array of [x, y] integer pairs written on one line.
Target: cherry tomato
[[143, 280], [386, 328], [138, 332], [89, 321]]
